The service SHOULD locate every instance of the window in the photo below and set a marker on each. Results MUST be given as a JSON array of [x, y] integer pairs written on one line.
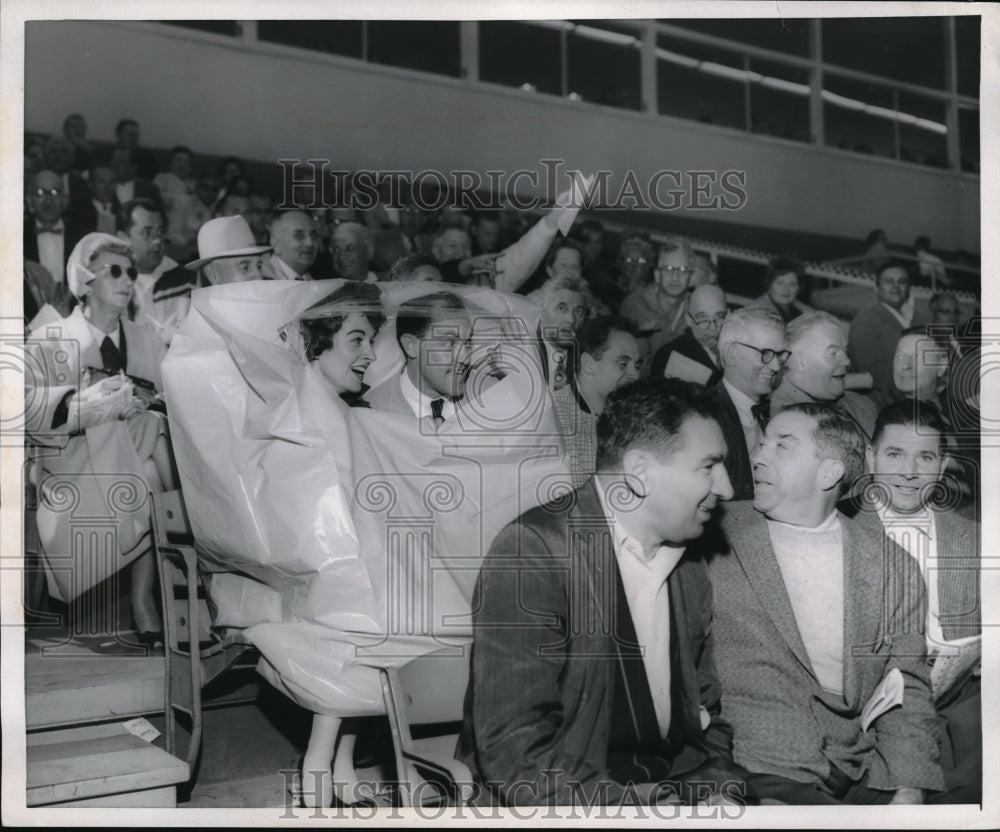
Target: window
[[219, 27], [910, 49], [701, 83], [848, 126], [968, 139], [520, 55], [335, 37], [429, 46], [786, 35], [967, 44], [603, 64], [779, 100]]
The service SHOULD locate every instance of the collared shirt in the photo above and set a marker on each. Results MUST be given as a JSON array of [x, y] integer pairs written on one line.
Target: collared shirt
[[644, 577], [52, 250], [917, 534], [743, 403], [812, 566], [282, 271], [100, 336], [904, 317], [420, 403]]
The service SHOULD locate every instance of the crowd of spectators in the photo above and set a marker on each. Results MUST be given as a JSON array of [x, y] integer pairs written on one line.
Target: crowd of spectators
[[114, 246]]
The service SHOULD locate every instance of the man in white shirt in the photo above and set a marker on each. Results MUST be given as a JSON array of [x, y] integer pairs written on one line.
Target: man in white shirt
[[876, 328], [433, 332], [296, 243], [49, 237], [351, 246], [815, 624], [592, 667], [908, 500], [752, 352], [161, 294]]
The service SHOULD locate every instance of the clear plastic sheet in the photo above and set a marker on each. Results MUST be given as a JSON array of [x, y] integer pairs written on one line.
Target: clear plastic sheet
[[349, 538]]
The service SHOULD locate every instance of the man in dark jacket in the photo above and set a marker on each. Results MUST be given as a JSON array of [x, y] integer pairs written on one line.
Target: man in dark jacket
[[593, 676]]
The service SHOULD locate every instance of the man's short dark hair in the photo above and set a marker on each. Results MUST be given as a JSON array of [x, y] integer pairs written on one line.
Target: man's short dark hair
[[486, 215], [837, 435], [648, 414], [405, 266], [416, 316], [922, 243], [353, 296], [123, 222], [125, 122], [180, 148], [592, 338], [231, 160], [920, 415], [893, 263], [588, 226]]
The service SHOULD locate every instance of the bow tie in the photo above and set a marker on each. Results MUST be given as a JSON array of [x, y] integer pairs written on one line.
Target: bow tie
[[50, 229]]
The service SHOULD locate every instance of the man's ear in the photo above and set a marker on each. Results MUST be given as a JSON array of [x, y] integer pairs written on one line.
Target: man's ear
[[411, 346], [586, 364], [121, 235], [870, 458], [830, 473], [635, 467]]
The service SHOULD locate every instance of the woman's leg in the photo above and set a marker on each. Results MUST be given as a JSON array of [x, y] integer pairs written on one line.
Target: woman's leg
[[317, 785]]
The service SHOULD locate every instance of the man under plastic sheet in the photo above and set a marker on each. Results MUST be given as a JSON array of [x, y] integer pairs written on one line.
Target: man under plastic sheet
[[362, 531]]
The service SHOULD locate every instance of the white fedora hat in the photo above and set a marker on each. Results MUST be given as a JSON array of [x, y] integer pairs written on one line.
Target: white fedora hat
[[225, 237]]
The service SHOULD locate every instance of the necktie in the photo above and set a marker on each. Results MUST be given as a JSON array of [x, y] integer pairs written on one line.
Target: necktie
[[762, 412], [110, 356], [437, 405], [50, 229]]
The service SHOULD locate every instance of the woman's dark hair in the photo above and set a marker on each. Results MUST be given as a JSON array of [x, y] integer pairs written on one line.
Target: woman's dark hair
[[784, 264], [353, 296]]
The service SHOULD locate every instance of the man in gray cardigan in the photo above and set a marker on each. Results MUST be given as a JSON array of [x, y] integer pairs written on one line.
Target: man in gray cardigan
[[817, 628]]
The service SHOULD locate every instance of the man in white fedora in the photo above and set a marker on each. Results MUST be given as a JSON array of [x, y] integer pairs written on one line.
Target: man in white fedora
[[227, 252]]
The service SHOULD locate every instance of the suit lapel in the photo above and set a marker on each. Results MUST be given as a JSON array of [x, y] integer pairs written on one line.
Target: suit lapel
[[865, 602], [752, 546]]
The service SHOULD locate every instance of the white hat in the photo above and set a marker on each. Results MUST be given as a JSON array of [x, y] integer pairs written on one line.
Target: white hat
[[225, 237]]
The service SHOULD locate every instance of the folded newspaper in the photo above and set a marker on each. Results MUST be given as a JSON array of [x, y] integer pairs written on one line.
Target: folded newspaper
[[954, 663]]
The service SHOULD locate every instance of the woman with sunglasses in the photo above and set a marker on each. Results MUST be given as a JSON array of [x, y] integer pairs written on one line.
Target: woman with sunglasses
[[90, 380]]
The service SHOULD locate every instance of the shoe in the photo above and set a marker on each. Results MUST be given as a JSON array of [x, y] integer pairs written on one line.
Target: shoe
[[150, 638]]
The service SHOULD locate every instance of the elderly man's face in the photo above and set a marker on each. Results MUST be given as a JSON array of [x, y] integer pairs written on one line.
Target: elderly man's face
[[296, 240], [562, 315], [47, 198], [145, 235], [706, 314], [819, 362], [234, 269], [350, 252], [918, 366], [786, 466], [454, 244], [744, 361], [893, 287]]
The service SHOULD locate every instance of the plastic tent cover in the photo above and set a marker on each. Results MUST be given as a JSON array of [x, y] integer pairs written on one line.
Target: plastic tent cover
[[341, 538]]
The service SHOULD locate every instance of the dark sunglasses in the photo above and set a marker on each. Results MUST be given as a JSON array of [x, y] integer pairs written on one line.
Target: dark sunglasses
[[116, 271]]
